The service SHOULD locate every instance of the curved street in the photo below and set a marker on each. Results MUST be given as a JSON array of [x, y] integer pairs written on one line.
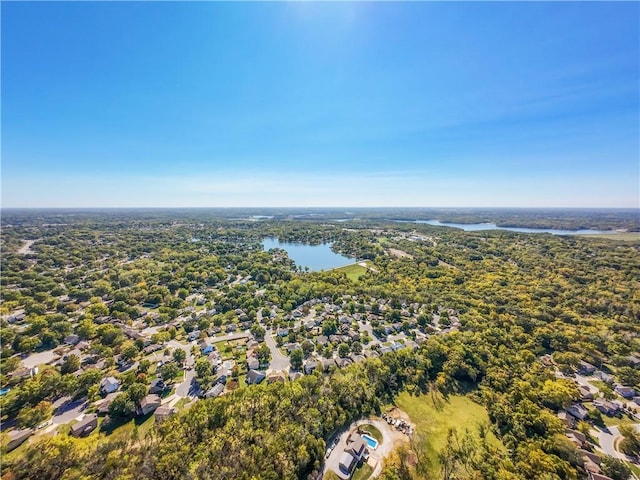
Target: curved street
[[279, 361]]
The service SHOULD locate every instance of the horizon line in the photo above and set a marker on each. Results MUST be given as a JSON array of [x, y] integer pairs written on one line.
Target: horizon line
[[318, 207]]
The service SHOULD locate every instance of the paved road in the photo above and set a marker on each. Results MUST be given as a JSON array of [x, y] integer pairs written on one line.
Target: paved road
[[279, 361], [186, 388], [38, 358], [66, 413], [608, 438]]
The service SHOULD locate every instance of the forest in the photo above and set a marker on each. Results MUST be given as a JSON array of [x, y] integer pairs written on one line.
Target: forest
[[529, 311]]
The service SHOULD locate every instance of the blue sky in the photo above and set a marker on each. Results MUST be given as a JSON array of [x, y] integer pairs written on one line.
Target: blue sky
[[320, 104]]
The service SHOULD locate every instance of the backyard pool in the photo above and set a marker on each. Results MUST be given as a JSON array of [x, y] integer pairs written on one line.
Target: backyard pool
[[371, 442]]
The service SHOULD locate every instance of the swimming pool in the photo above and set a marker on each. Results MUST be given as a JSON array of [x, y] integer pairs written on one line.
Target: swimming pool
[[372, 442]]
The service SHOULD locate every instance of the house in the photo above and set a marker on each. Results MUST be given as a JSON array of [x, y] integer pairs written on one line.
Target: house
[[293, 346], [253, 363], [72, 339], [579, 439], [17, 438], [151, 348], [328, 364], [148, 404], [567, 419], [254, 377], [578, 410], [282, 332], [634, 361], [205, 347], [605, 406], [322, 340], [310, 366], [193, 335], [294, 375], [231, 328], [276, 377], [356, 446], [585, 368], [25, 372], [157, 386], [342, 362], [598, 476], [585, 392], [605, 377], [347, 463], [356, 358], [215, 391], [109, 385], [626, 392], [103, 408], [590, 456], [85, 426], [411, 344], [164, 412]]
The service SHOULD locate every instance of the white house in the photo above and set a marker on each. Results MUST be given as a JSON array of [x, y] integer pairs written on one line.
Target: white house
[[109, 385]]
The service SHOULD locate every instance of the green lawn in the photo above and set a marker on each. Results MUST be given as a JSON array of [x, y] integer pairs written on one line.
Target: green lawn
[[363, 472], [330, 476], [353, 272], [433, 416], [181, 403], [600, 384]]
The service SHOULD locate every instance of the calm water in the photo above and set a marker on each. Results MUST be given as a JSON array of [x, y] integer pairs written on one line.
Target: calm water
[[474, 227], [316, 257]]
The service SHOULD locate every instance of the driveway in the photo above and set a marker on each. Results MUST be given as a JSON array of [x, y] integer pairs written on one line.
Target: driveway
[[584, 382]]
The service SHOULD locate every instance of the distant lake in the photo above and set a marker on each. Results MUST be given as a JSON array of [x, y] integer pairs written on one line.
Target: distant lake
[[475, 227], [316, 257]]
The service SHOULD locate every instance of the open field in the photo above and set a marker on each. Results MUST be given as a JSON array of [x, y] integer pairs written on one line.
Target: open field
[[353, 272], [433, 416], [624, 236]]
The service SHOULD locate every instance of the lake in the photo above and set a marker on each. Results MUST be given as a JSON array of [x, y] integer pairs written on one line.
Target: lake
[[475, 227], [316, 257]]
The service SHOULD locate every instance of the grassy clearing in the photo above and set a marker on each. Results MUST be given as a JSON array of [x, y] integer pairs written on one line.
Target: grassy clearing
[[330, 476], [624, 236], [363, 472], [353, 272], [600, 384], [433, 416]]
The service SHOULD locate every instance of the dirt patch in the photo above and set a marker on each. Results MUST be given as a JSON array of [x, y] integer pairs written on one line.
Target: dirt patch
[[446, 265], [26, 248], [412, 458], [396, 413], [399, 253]]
